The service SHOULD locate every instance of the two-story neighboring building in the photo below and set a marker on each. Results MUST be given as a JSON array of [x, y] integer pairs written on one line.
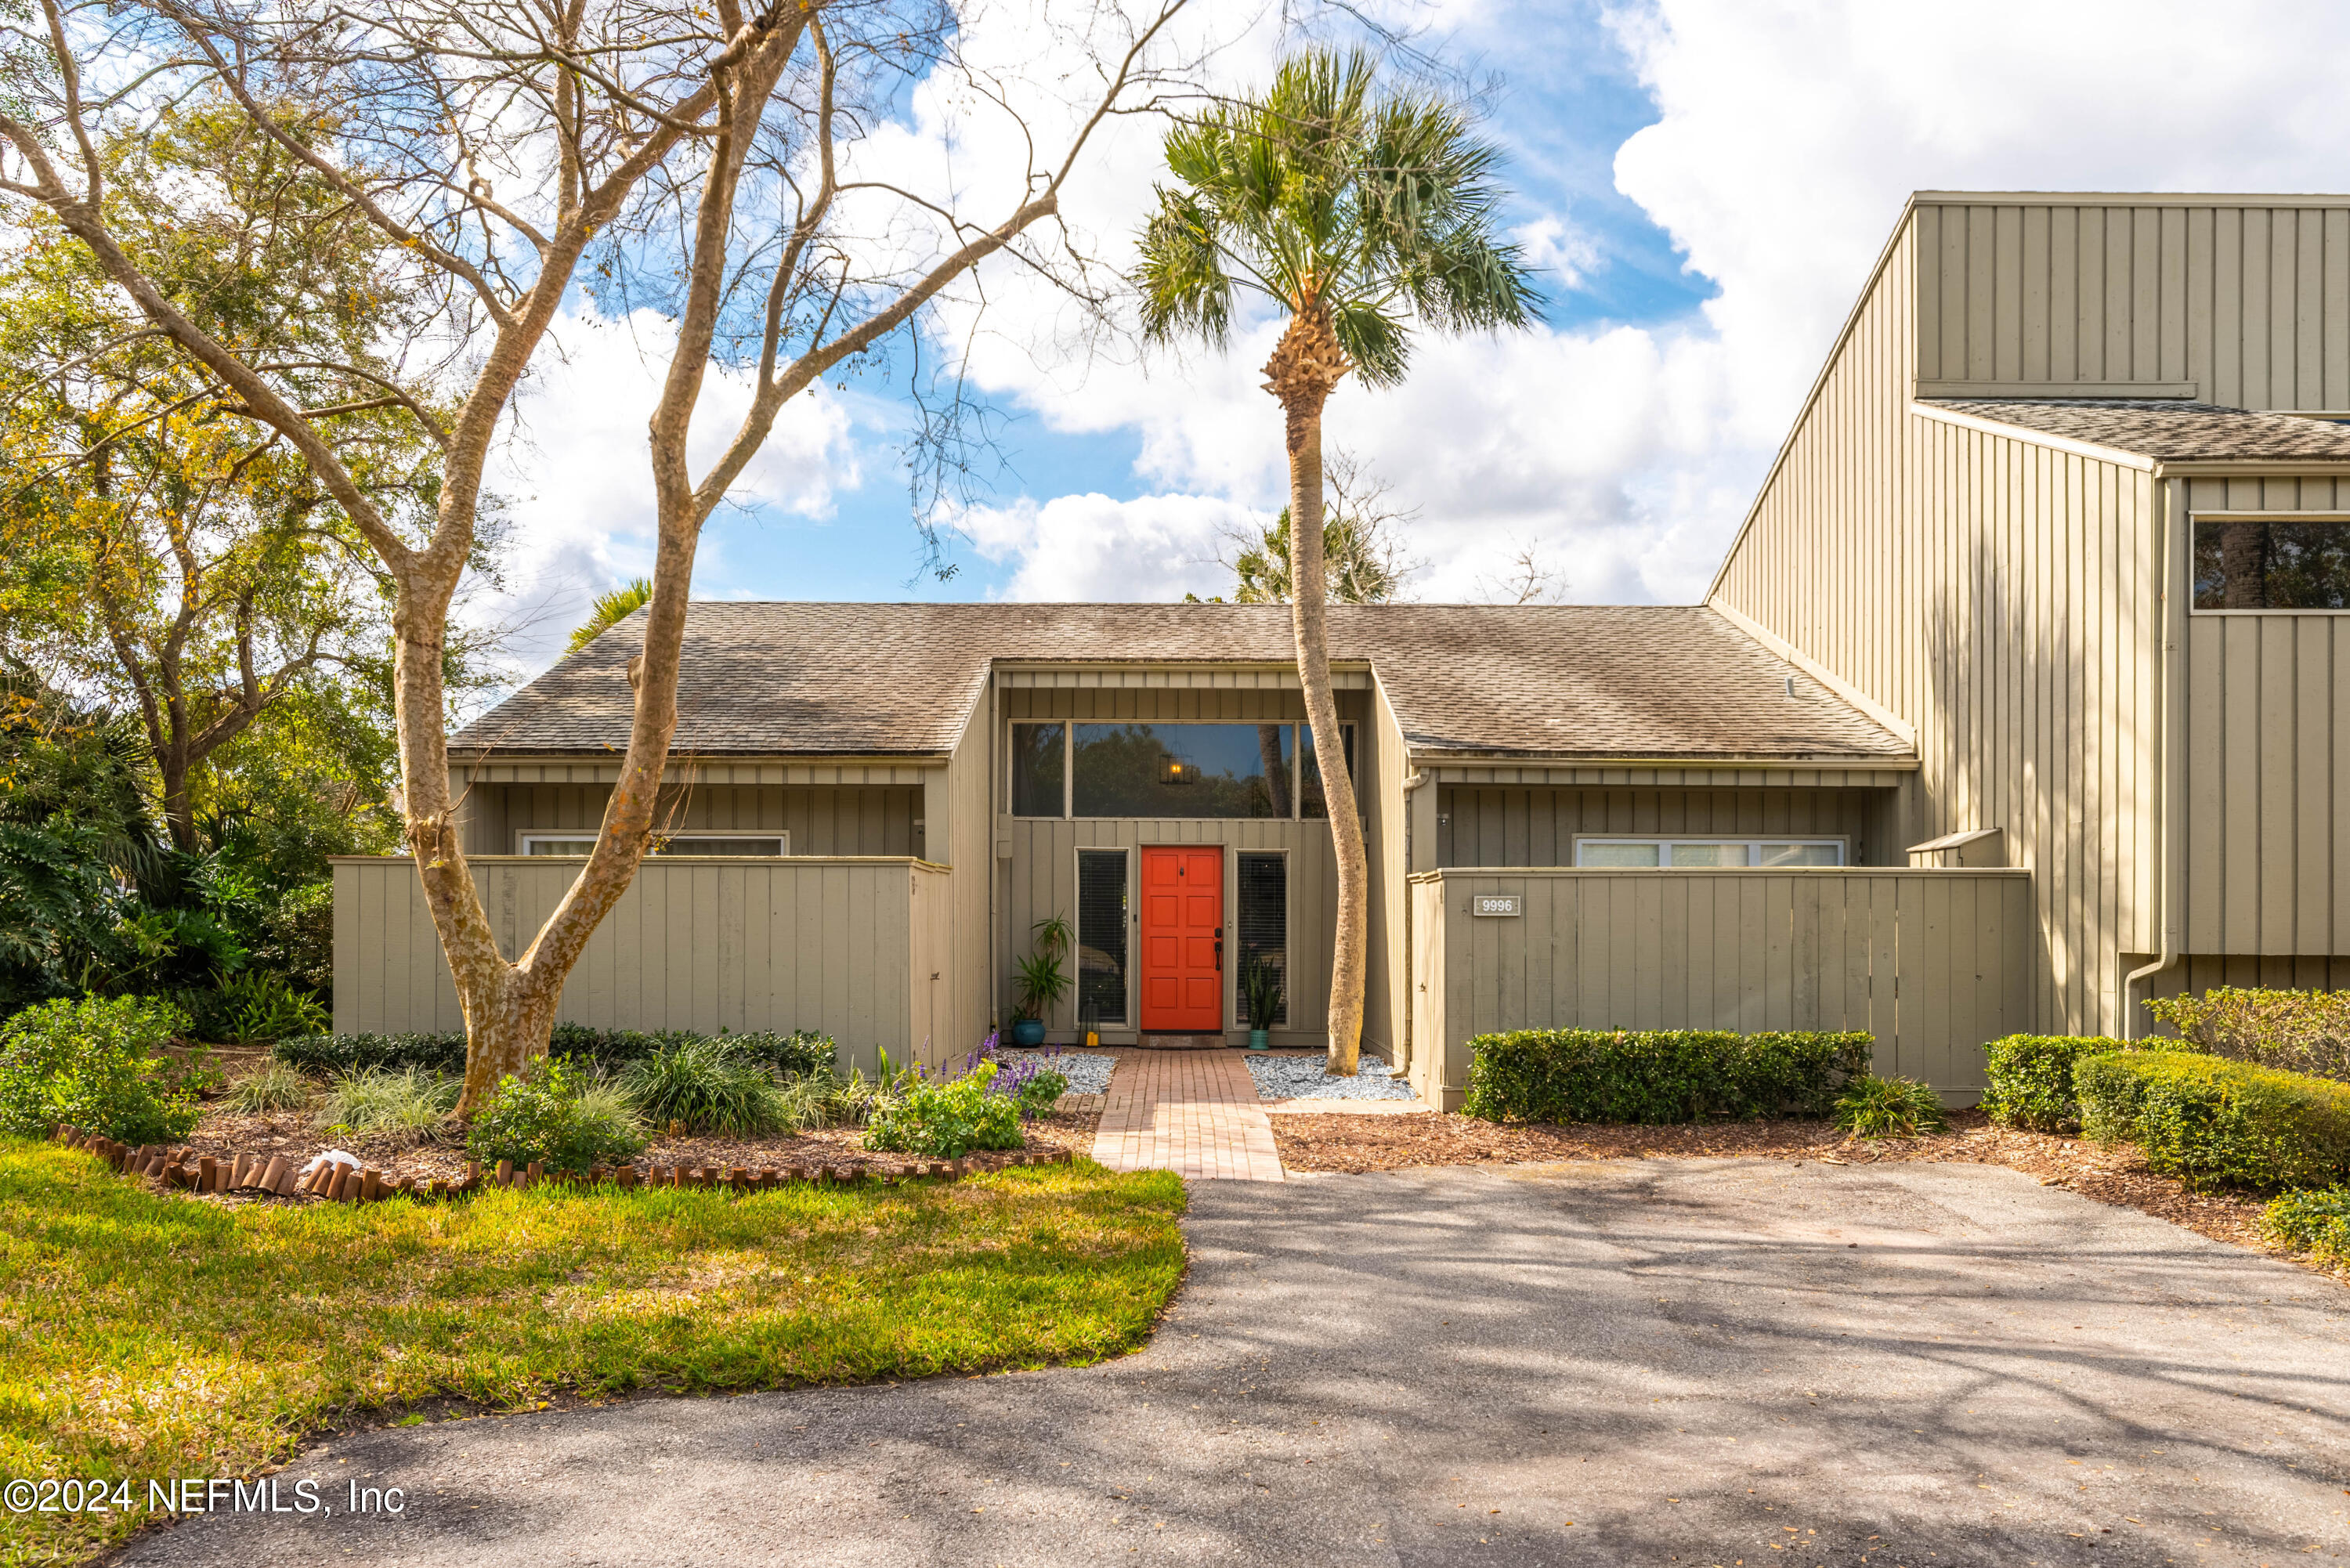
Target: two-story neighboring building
[[2069, 510], [2018, 698]]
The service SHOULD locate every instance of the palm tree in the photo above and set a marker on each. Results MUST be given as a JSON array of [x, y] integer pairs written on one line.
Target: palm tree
[[1361, 212]]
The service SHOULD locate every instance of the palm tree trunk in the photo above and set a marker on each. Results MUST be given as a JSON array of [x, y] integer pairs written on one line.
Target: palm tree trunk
[[1305, 368]]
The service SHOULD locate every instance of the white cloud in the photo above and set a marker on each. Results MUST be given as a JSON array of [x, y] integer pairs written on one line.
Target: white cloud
[[1558, 249], [577, 469], [1788, 137], [1092, 547]]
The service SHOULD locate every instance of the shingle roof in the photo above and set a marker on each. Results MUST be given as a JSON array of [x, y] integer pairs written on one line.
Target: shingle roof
[[883, 679], [2165, 429]]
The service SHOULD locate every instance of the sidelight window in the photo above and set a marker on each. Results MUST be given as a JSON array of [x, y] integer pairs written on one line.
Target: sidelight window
[[1101, 936]]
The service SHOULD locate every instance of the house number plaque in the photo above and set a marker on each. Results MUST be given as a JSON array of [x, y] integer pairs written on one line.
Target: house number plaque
[[1494, 904]]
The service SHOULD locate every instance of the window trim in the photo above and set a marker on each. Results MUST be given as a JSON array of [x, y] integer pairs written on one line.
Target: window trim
[[1752, 841], [525, 837], [1078, 852], [2247, 514]]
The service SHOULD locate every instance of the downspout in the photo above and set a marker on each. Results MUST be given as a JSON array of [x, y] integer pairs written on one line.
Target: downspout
[[2171, 646]]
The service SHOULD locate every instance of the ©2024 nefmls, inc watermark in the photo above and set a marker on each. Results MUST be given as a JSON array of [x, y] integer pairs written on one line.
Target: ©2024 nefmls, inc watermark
[[178, 1497]]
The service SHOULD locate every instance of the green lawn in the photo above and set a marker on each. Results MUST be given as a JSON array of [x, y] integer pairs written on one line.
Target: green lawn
[[154, 1337]]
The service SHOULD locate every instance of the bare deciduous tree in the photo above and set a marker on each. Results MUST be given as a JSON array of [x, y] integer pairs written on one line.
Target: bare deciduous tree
[[1530, 579], [692, 157]]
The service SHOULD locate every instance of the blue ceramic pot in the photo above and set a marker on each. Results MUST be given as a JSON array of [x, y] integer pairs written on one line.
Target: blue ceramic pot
[[1257, 1039], [1028, 1031]]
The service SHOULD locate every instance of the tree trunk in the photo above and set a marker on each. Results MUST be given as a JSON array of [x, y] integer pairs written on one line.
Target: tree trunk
[[1306, 367]]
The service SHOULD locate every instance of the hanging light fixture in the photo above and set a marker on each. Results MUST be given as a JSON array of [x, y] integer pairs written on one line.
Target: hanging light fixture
[[1175, 768]]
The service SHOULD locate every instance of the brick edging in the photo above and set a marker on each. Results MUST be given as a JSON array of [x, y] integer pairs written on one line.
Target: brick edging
[[276, 1175]]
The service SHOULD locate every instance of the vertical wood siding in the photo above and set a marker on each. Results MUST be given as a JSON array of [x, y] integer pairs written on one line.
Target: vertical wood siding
[[1931, 962], [1495, 826], [2267, 864], [823, 819], [1388, 1010], [2001, 598], [966, 842], [1041, 881], [2250, 303], [826, 944]]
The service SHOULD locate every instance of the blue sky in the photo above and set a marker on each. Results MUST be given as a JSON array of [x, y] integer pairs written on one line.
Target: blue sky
[[1563, 104], [1714, 179]]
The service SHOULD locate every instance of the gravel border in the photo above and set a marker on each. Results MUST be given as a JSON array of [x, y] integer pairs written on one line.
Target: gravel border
[[1087, 1073], [1302, 1078]]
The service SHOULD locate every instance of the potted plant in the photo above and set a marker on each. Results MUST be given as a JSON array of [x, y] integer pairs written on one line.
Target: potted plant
[[1043, 981], [1261, 984]]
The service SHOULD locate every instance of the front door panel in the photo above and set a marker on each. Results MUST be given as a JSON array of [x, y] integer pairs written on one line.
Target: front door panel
[[1182, 938]]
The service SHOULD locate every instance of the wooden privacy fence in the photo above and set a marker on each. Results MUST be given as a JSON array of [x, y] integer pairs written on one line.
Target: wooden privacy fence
[[1933, 962], [856, 946]]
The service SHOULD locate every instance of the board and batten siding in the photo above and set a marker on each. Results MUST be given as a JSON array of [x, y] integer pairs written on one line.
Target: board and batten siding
[[823, 819], [2242, 303], [1931, 962], [1500, 825], [2001, 598], [2266, 870], [826, 944]]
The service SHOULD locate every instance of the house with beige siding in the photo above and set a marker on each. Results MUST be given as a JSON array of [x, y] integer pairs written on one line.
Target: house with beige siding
[[2017, 700]]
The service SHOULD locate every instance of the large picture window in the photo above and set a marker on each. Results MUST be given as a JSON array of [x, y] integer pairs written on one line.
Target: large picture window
[[2272, 563], [1708, 852], [1311, 801], [1182, 769], [1263, 918], [1101, 936], [1039, 751]]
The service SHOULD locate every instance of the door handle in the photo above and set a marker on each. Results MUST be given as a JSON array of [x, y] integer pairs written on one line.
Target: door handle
[[1219, 952]]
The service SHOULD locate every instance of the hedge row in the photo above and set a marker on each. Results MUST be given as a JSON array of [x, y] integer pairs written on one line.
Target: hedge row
[[794, 1055], [2295, 1030], [2031, 1078], [2216, 1122], [1659, 1076]]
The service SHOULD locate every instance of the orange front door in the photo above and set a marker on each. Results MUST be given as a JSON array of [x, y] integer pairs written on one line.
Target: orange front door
[[1184, 939]]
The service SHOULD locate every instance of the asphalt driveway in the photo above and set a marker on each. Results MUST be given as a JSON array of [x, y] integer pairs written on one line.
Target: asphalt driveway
[[1697, 1362]]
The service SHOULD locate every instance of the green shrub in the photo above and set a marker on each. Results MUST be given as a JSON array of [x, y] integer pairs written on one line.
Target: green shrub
[[791, 1055], [826, 1099], [274, 1087], [2294, 1031], [704, 1084], [2031, 1078], [560, 1114], [94, 1064], [1039, 1095], [2316, 1221], [1890, 1108], [2216, 1122], [329, 1056], [1657, 1076], [946, 1120], [263, 1007], [407, 1103]]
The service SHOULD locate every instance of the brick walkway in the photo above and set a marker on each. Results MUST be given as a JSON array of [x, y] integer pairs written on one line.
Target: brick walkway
[[1191, 1112]]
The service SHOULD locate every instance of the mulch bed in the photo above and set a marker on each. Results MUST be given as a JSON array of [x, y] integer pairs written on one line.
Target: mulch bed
[[1337, 1142], [222, 1133]]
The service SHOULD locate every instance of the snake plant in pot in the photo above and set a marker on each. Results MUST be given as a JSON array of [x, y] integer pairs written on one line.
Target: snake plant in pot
[[1043, 981], [1261, 986]]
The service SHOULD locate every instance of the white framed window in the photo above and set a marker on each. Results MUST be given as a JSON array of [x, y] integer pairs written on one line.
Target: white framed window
[[579, 844], [1707, 853]]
